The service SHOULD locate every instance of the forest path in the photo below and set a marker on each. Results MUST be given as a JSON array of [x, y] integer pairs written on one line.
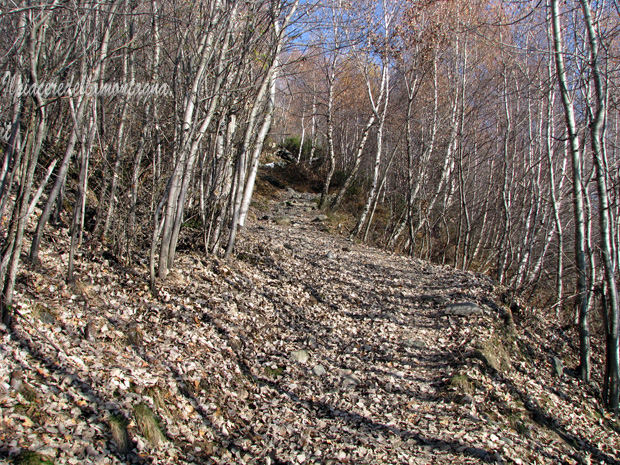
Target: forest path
[[376, 324], [306, 348]]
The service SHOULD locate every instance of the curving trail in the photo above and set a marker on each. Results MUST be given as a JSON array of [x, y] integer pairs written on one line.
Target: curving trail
[[306, 349], [376, 322]]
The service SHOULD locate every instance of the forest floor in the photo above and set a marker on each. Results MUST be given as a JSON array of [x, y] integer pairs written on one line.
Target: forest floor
[[306, 348]]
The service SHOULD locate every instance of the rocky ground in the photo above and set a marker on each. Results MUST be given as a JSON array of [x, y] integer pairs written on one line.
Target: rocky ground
[[307, 348]]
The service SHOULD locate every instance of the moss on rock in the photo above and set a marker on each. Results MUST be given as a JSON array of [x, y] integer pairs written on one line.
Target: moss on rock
[[149, 425]]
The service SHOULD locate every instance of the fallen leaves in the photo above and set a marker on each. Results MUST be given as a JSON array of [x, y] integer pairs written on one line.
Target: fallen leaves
[[307, 349]]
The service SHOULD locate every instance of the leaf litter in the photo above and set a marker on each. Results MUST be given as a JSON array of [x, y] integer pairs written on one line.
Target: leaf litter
[[307, 348]]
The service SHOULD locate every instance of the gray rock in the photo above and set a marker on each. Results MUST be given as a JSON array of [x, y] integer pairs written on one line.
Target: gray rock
[[319, 370], [283, 221], [463, 309], [91, 330], [47, 451], [321, 218], [350, 381], [435, 299], [301, 356], [17, 377], [415, 343], [330, 255], [558, 367]]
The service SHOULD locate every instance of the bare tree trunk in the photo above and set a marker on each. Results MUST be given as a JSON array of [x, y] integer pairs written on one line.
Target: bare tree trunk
[[54, 193], [266, 94], [605, 223], [580, 258], [358, 158], [77, 116], [270, 107], [380, 111], [313, 127], [379, 190], [330, 132], [504, 245], [128, 76], [80, 198], [302, 140], [39, 192], [555, 202], [188, 143], [11, 251], [446, 167], [414, 186], [12, 147]]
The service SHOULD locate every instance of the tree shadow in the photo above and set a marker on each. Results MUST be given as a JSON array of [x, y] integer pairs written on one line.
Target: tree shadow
[[541, 417], [102, 404], [323, 410], [372, 284], [27, 343]]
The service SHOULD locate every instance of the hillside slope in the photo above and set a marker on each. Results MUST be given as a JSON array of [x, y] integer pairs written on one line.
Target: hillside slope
[[307, 348]]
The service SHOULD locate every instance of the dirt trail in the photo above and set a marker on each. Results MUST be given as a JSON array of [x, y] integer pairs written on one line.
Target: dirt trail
[[306, 348], [380, 319]]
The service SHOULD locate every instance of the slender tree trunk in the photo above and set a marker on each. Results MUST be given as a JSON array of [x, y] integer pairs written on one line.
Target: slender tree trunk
[[555, 202], [11, 251], [504, 244], [54, 193], [380, 110], [77, 117], [379, 190], [188, 144], [128, 76], [268, 118], [266, 94], [358, 159], [580, 257], [12, 147], [605, 223], [330, 134], [313, 126], [78, 210]]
